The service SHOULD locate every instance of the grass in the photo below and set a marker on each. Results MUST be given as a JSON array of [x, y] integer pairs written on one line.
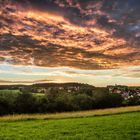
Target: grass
[[106, 124], [38, 94], [80, 114], [9, 92], [6, 91], [113, 127]]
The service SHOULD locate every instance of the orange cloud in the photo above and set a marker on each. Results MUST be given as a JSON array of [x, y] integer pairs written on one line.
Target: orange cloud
[[33, 37]]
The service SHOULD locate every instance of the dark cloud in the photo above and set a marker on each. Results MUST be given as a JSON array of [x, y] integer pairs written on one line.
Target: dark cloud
[[115, 14], [89, 34]]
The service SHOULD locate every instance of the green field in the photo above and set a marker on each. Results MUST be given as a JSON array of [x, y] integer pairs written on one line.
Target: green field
[[9, 92], [123, 125], [6, 91]]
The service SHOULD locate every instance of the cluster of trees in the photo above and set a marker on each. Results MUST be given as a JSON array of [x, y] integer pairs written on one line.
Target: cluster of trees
[[58, 101]]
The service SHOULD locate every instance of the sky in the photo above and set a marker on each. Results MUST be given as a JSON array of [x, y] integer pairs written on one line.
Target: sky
[[88, 41]]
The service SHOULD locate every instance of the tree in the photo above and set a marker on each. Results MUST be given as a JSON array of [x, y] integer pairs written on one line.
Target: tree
[[4, 107], [26, 103], [104, 99], [82, 102], [43, 104]]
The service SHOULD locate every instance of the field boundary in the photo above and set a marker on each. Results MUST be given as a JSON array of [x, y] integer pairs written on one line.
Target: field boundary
[[65, 115]]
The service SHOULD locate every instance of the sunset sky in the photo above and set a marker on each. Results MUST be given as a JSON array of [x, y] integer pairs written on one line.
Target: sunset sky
[[87, 41]]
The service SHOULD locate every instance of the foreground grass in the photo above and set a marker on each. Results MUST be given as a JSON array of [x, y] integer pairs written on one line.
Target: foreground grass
[[80, 114], [113, 127]]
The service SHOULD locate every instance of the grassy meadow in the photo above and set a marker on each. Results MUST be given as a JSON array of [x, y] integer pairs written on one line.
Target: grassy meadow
[[7, 91], [108, 124]]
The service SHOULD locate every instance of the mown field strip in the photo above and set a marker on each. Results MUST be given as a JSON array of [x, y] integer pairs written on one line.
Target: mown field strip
[[80, 114]]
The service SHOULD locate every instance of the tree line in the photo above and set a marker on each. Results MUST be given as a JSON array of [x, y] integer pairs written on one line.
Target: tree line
[[60, 101]]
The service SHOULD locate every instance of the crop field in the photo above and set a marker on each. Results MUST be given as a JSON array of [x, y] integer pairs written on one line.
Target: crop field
[[108, 124]]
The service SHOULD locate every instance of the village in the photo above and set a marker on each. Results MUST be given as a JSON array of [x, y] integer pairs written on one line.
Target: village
[[125, 91]]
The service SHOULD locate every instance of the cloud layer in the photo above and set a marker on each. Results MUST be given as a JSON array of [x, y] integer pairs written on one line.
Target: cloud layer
[[85, 35], [11, 74]]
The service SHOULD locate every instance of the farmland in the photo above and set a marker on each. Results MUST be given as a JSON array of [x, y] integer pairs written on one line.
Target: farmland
[[119, 124]]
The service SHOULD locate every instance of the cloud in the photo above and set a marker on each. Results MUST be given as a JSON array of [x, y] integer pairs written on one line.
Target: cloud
[[3, 82], [80, 34], [19, 74]]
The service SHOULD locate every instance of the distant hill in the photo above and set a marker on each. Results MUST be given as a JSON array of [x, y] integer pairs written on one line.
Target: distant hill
[[46, 85], [60, 84]]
